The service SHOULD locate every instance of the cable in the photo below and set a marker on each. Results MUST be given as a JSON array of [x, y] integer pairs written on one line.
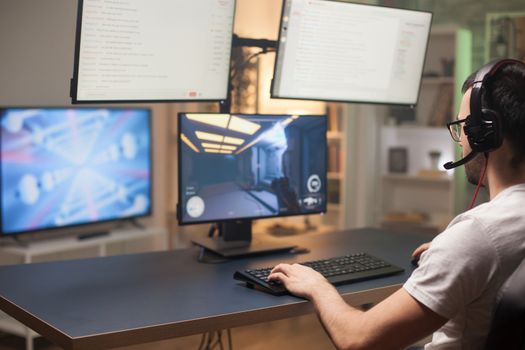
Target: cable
[[220, 340], [211, 232], [203, 340], [230, 345], [237, 68], [480, 181], [206, 256], [210, 339]]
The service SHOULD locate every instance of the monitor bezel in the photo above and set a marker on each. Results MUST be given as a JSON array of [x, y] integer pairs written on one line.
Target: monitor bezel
[[278, 49], [49, 230], [74, 80], [180, 206]]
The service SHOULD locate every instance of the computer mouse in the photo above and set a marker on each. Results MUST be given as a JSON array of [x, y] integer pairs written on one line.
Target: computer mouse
[[415, 261]]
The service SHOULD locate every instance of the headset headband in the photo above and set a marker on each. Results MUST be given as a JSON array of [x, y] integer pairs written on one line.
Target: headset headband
[[483, 74]]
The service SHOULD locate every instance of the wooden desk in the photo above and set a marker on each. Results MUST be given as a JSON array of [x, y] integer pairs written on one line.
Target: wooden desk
[[124, 300]]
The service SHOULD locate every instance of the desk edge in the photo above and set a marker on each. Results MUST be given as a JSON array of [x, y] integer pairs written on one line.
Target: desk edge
[[166, 331], [38, 325]]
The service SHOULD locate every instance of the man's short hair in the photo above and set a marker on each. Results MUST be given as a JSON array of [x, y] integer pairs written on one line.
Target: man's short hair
[[505, 93]]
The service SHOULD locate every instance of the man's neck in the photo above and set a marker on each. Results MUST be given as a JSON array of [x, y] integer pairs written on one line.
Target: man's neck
[[500, 178]]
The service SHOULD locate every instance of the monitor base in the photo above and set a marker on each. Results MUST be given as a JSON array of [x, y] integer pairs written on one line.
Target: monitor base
[[20, 242], [234, 249]]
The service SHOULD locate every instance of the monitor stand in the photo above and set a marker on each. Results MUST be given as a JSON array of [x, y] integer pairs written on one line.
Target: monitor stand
[[21, 243], [235, 240]]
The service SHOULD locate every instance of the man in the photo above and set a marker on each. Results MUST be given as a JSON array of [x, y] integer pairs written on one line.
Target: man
[[453, 291]]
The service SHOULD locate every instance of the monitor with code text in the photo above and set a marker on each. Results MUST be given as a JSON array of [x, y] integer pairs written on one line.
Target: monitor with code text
[[154, 50], [340, 51]]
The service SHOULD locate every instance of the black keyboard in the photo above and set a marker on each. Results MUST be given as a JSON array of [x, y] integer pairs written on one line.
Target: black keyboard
[[339, 270]]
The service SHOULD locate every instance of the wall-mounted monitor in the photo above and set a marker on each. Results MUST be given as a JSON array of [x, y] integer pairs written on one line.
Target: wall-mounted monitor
[[64, 167], [154, 50], [341, 51]]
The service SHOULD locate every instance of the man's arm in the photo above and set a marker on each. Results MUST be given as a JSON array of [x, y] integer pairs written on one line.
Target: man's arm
[[395, 323]]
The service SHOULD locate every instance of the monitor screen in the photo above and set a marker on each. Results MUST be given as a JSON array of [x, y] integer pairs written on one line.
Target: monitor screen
[[154, 50], [240, 166], [340, 51], [63, 167]]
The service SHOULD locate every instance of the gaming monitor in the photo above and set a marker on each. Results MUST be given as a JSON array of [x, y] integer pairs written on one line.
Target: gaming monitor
[[156, 50], [64, 167], [340, 51], [241, 166]]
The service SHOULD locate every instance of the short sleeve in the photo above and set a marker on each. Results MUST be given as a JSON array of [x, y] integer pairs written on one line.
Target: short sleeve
[[455, 270]]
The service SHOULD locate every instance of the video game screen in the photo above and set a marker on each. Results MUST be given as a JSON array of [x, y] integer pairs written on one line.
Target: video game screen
[[62, 167], [240, 166]]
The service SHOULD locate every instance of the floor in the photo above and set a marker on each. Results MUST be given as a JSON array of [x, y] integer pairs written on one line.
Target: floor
[[303, 333]]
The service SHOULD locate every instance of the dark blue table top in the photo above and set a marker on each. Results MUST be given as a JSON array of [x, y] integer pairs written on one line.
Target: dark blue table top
[[129, 299]]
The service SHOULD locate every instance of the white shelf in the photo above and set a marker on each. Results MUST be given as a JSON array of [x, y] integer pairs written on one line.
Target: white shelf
[[436, 223], [445, 180], [62, 244]]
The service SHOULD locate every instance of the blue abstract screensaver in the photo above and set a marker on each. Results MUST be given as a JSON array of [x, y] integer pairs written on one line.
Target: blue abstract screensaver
[[63, 167]]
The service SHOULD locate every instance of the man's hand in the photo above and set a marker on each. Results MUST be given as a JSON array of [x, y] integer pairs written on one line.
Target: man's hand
[[419, 250], [300, 280]]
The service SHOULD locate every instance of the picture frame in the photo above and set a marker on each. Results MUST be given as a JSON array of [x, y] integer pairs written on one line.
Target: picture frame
[[398, 160], [505, 35]]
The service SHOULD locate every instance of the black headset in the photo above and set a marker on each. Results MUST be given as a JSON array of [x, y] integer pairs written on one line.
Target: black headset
[[483, 127]]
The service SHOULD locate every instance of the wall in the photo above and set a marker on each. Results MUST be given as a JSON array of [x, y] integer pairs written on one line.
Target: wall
[[37, 40]]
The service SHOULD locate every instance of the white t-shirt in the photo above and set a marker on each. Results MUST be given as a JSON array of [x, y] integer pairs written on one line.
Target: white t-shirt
[[461, 273]]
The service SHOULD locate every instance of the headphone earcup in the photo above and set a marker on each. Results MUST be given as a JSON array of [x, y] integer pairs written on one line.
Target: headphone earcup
[[486, 136]]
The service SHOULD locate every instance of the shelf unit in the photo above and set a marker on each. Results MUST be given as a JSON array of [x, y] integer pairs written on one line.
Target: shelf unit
[[417, 197], [420, 131], [54, 249], [421, 180], [418, 190]]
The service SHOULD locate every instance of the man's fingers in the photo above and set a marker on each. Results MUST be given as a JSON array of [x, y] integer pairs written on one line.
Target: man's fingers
[[277, 276], [420, 249], [281, 268]]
